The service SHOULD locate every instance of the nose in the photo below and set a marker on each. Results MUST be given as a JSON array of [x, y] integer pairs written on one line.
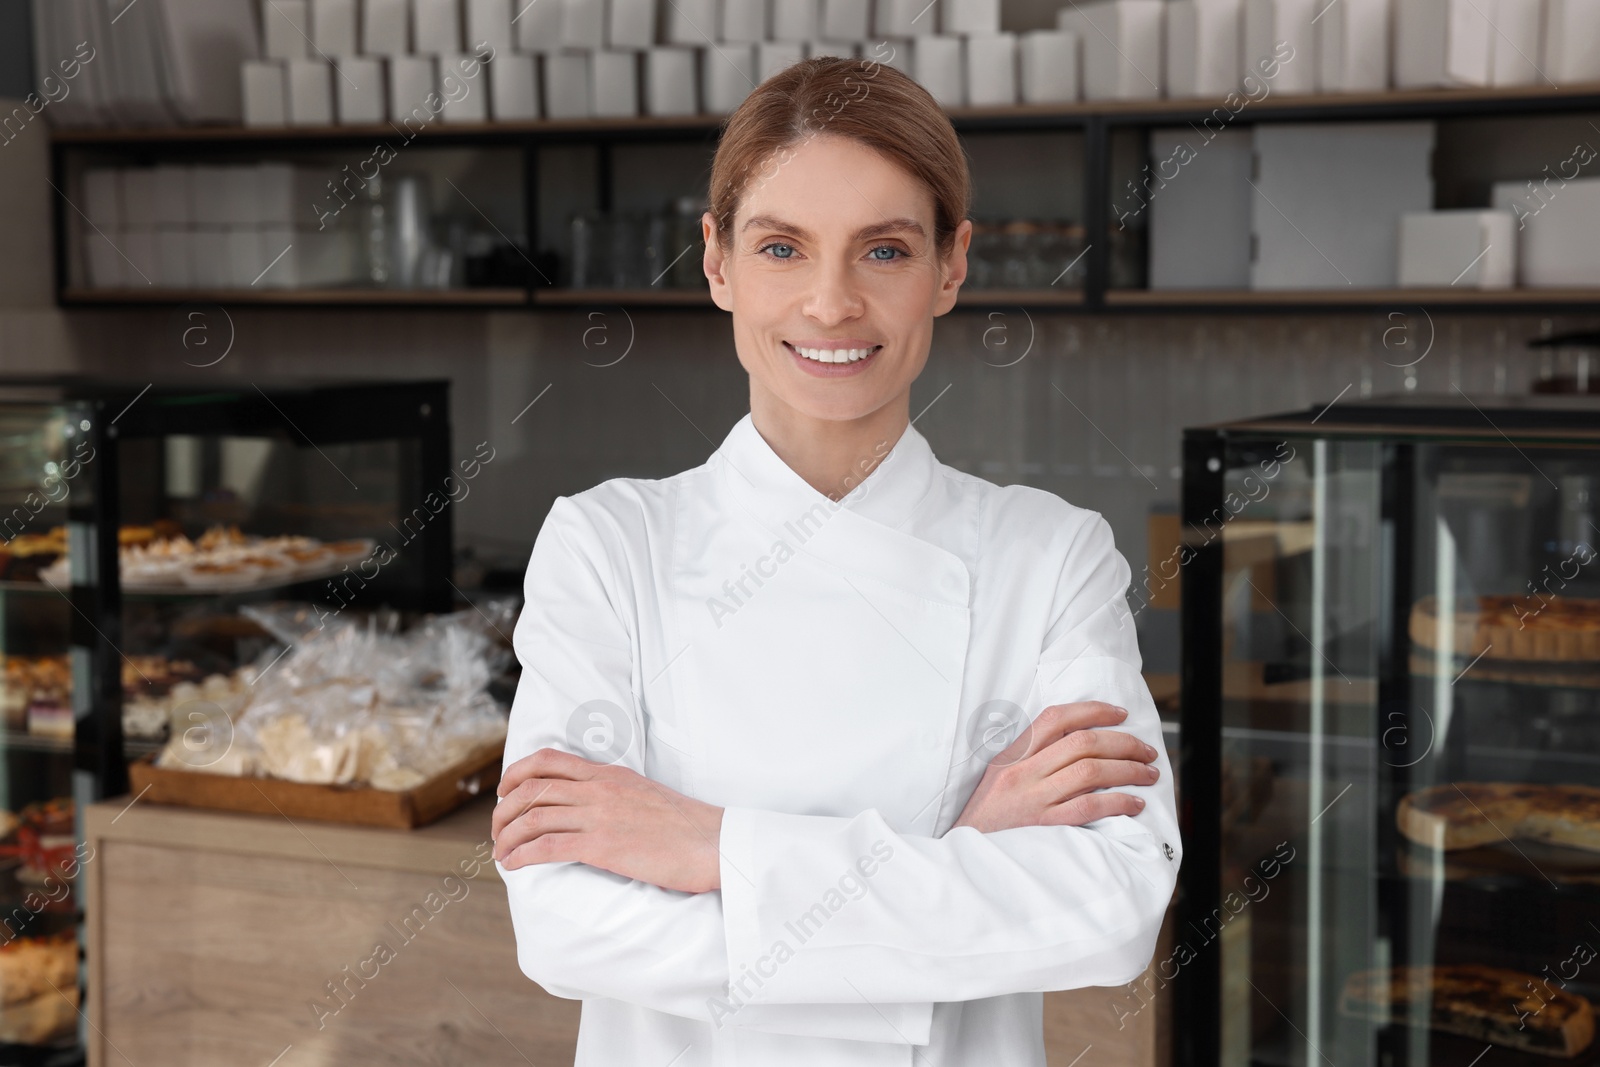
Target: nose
[[834, 295]]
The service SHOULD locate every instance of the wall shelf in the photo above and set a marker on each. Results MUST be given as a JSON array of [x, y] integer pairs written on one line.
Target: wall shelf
[[1098, 122]]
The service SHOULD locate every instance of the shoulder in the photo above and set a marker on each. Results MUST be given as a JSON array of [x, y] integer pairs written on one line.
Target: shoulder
[[1023, 517], [619, 515]]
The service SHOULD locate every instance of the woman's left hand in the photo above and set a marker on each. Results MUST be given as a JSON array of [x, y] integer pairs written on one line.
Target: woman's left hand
[[557, 806]]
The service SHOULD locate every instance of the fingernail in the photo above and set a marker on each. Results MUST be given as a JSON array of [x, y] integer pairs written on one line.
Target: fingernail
[[1149, 750], [1138, 803], [1122, 713]]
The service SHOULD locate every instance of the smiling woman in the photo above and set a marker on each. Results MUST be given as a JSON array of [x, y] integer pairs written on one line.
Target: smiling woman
[[918, 704]]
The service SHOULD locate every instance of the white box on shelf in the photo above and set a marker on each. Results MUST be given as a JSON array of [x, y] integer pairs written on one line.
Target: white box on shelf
[[845, 20], [514, 87], [264, 86], [691, 22], [1515, 52], [174, 269], [632, 24], [1557, 228], [213, 197], [240, 187], [208, 257], [1571, 50], [313, 260], [290, 195], [1328, 198], [538, 25], [671, 81], [285, 29], [583, 24], [1048, 65], [139, 198], [726, 76], [795, 20], [247, 256], [1203, 48], [310, 92], [905, 18], [386, 27], [971, 17], [891, 52], [773, 56], [102, 256], [1441, 42], [436, 27], [489, 23], [614, 83], [1199, 222], [333, 28], [1353, 46], [102, 197], [1471, 249], [567, 85], [1121, 47], [138, 257], [744, 21], [1280, 35], [412, 80], [836, 49], [464, 85], [360, 93], [174, 195], [937, 62], [991, 70]]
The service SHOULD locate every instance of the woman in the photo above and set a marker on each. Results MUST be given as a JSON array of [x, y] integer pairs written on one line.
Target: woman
[[808, 763]]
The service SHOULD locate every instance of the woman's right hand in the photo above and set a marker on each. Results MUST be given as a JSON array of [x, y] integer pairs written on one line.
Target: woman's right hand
[[1049, 774]]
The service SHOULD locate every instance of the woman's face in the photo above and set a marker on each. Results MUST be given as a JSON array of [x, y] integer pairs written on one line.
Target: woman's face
[[832, 257]]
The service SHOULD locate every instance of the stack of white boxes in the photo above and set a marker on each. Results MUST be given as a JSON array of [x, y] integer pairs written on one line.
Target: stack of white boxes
[[215, 227]]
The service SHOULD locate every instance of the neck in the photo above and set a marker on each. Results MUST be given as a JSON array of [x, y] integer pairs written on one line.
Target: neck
[[832, 455]]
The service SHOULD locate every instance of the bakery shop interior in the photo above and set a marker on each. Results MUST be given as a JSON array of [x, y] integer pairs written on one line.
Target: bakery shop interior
[[405, 457]]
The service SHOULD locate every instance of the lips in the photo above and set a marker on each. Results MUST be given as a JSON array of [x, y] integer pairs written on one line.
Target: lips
[[833, 356]]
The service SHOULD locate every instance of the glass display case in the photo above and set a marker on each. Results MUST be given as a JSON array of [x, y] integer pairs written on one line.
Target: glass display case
[[137, 521], [1391, 737]]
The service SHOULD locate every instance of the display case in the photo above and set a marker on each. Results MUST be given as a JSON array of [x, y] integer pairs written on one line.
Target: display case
[[137, 521], [1391, 737]]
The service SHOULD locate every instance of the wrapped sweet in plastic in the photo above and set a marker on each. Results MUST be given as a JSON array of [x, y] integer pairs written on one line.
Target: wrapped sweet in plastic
[[358, 703]]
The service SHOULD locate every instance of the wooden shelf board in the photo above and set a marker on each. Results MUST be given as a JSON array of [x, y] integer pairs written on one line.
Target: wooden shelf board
[[1346, 297], [333, 297]]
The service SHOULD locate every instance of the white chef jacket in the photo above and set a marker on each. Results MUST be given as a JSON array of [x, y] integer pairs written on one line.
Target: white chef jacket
[[836, 676]]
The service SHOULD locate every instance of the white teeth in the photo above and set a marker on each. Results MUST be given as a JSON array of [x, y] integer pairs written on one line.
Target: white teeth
[[835, 355]]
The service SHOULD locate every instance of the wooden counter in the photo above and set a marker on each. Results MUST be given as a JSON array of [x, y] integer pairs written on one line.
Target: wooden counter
[[236, 939]]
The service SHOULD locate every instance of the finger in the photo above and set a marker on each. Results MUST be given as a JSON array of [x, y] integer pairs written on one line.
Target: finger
[[1095, 744], [1080, 811], [535, 824], [531, 793], [549, 848], [1086, 776], [547, 763], [1060, 720]]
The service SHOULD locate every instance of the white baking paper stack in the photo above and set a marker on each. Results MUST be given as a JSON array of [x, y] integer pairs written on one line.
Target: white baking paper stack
[[1279, 35], [265, 92], [671, 80], [1048, 66], [614, 83], [937, 65], [1442, 42], [1122, 49], [1202, 48], [567, 82], [727, 74], [1572, 41], [1353, 45], [991, 64]]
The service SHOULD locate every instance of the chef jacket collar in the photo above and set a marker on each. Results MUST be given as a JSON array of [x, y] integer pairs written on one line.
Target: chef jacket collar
[[889, 494]]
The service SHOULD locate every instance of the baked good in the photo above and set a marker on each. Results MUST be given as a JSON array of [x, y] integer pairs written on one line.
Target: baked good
[[33, 966], [1494, 1004], [1556, 628], [1470, 814]]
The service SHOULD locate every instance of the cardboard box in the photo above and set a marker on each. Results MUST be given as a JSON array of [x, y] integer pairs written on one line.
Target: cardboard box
[[1468, 249], [264, 87], [1122, 47], [1200, 217], [1202, 48], [1353, 46], [514, 87], [727, 76], [1048, 62], [672, 80], [1558, 229], [1269, 25], [1442, 42], [991, 70]]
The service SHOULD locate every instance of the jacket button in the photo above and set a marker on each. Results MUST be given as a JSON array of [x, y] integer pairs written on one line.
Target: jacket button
[[1166, 850]]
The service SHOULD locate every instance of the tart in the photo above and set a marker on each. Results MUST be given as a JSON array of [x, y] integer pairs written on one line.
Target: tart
[[1470, 814], [1547, 629]]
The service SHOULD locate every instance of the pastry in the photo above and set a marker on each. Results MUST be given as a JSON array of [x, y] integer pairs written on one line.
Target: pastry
[[1468, 814], [1494, 1004], [33, 966], [1556, 628]]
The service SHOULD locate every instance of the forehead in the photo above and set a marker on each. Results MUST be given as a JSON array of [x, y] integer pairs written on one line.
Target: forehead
[[827, 182]]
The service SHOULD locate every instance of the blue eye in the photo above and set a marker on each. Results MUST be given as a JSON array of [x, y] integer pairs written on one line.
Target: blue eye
[[776, 244], [888, 248]]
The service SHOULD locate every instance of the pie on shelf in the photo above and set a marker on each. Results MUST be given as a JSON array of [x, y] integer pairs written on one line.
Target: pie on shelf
[[1469, 814], [1494, 1004], [1557, 628]]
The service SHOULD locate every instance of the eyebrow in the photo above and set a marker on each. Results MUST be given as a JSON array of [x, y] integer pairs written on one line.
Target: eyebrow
[[866, 233]]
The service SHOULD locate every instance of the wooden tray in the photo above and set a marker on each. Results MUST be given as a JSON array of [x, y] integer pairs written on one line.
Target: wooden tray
[[359, 805]]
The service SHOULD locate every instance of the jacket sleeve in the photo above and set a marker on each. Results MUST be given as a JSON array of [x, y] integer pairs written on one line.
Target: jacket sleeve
[[583, 932], [970, 915]]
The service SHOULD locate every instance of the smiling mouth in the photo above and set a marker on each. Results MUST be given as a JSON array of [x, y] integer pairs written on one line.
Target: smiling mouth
[[833, 355]]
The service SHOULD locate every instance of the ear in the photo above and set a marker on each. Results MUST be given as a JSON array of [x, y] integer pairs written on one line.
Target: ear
[[953, 269], [714, 262]]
